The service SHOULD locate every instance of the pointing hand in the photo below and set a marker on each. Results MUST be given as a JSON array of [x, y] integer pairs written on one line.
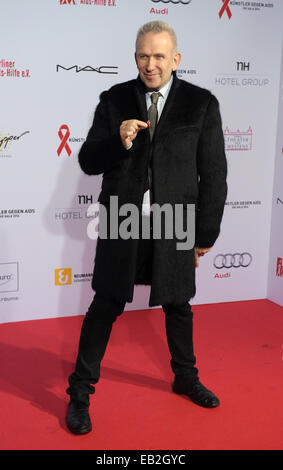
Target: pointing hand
[[129, 130]]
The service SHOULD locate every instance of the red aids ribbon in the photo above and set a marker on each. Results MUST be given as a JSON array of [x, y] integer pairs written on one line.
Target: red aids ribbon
[[226, 7], [64, 139]]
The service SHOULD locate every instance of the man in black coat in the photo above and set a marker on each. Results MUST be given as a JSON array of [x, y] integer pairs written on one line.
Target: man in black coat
[[175, 158]]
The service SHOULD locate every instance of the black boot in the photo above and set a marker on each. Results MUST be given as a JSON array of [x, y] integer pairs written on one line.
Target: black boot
[[197, 392], [78, 419]]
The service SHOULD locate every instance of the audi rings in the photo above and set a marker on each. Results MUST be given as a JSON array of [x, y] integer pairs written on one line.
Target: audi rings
[[235, 260]]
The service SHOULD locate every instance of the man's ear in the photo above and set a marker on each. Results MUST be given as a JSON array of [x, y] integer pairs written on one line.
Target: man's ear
[[136, 58], [176, 60]]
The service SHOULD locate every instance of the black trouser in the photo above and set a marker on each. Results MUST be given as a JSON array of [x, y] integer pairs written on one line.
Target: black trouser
[[97, 326]]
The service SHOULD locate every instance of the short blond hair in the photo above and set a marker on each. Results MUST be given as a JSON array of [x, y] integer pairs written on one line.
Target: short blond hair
[[157, 27]]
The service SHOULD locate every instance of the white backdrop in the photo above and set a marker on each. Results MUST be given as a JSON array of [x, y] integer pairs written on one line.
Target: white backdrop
[[55, 56], [275, 285]]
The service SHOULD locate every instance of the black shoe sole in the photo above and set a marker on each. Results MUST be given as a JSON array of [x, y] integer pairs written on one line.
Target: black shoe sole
[[79, 431]]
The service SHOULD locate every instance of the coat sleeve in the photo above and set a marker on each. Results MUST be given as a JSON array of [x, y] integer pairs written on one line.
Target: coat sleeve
[[103, 149], [212, 174]]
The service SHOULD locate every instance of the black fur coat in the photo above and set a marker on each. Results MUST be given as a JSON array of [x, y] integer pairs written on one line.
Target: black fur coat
[[189, 167]]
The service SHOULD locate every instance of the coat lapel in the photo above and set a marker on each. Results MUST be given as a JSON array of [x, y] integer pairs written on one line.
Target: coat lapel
[[168, 107], [140, 98], [140, 91]]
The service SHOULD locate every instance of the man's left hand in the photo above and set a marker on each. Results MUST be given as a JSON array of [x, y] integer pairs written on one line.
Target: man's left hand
[[200, 252]]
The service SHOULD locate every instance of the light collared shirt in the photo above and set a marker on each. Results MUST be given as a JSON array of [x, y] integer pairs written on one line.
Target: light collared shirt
[[164, 91]]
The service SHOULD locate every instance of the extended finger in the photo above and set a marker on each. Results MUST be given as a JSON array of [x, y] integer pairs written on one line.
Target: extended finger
[[141, 124]]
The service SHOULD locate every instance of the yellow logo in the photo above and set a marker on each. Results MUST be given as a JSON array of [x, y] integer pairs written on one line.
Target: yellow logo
[[63, 276]]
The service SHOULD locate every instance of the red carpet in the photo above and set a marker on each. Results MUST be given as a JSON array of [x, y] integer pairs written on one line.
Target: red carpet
[[239, 348]]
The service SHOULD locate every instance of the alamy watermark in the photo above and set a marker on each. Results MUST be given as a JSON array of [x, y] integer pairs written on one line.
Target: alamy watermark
[[166, 221]]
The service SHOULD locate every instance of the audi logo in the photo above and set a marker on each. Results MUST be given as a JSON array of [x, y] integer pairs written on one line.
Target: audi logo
[[235, 260]]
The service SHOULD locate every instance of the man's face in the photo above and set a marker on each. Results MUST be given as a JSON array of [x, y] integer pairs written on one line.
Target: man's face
[[156, 59]]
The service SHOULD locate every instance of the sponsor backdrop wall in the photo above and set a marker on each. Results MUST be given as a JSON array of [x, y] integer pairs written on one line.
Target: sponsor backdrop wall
[[57, 56], [275, 284]]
